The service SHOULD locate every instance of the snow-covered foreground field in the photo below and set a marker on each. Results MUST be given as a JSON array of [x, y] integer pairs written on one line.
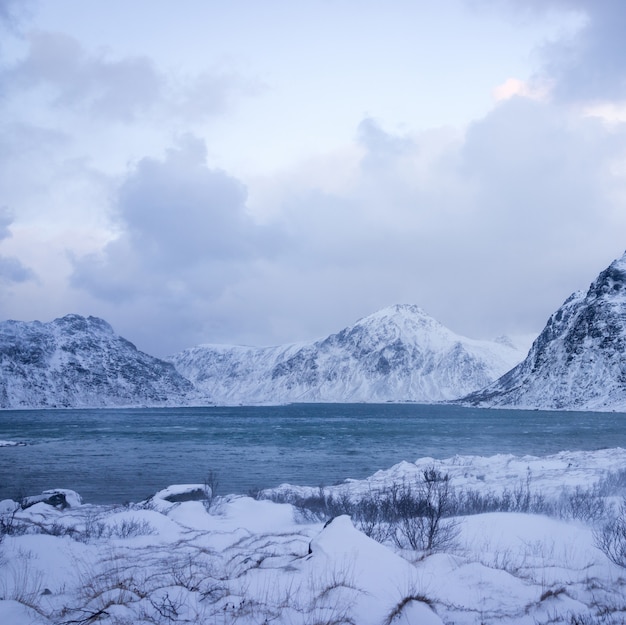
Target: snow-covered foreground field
[[247, 560]]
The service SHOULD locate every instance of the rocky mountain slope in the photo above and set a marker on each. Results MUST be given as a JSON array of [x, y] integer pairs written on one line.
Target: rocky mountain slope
[[396, 354], [579, 360], [80, 362]]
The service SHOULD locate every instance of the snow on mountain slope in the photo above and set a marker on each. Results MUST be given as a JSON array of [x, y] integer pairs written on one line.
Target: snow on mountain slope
[[396, 354], [80, 362], [578, 362]]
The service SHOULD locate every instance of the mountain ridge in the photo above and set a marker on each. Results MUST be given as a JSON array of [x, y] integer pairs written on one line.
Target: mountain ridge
[[398, 353], [577, 362], [75, 361]]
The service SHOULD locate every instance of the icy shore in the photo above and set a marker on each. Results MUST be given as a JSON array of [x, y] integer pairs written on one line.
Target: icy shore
[[188, 556]]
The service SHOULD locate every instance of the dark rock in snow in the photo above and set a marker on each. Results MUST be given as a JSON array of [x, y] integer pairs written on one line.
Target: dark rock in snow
[[57, 498]]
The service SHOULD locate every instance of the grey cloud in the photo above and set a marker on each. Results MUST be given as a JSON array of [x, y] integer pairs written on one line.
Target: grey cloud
[[182, 210], [491, 237], [501, 224], [12, 12], [120, 90], [184, 228], [111, 89], [11, 269], [593, 65], [381, 147], [589, 66], [197, 98], [6, 219], [540, 204], [541, 174]]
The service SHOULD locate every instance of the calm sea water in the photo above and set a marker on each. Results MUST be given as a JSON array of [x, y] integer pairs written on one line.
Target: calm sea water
[[118, 455]]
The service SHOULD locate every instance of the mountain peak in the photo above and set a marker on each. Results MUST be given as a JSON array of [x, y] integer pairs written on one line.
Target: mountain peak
[[77, 361], [577, 362], [612, 281], [621, 261], [398, 353], [396, 310], [400, 315], [78, 323]]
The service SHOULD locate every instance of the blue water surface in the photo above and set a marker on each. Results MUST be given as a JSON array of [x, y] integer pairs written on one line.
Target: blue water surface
[[118, 455]]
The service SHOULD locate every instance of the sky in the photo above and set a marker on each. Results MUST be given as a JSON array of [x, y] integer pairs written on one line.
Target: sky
[[269, 172]]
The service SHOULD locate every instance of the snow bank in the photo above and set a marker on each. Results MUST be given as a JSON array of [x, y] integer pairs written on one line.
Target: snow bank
[[248, 561], [548, 475]]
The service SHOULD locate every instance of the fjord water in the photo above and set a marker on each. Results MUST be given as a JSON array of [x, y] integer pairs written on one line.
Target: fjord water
[[118, 455]]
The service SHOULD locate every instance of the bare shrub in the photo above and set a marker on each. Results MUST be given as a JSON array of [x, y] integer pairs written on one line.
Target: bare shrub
[[130, 528], [423, 514], [211, 484], [96, 529], [584, 505], [23, 583], [10, 525], [371, 515], [613, 484], [610, 538], [417, 515], [318, 507], [397, 611], [605, 618], [552, 593], [519, 499]]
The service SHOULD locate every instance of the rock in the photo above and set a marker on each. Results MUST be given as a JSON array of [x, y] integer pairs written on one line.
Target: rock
[[59, 498], [179, 493]]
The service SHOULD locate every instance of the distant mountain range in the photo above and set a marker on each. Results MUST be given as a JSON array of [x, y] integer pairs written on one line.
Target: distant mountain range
[[396, 354], [79, 362], [578, 362], [400, 353]]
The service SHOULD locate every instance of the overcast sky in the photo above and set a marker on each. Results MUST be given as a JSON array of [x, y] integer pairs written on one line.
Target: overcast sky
[[268, 172]]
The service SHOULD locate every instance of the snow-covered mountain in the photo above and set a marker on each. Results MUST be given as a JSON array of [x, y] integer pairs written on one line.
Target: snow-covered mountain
[[578, 362], [80, 362], [396, 354]]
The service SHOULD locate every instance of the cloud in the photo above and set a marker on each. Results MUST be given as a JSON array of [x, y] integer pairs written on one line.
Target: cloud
[[588, 64], [513, 87], [592, 66], [540, 202], [74, 79], [5, 221], [12, 12], [185, 235], [210, 93], [69, 77], [72, 118], [380, 147], [488, 232], [11, 269], [489, 228]]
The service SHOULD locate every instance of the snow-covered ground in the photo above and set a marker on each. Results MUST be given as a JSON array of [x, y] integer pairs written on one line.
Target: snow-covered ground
[[185, 556]]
